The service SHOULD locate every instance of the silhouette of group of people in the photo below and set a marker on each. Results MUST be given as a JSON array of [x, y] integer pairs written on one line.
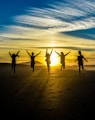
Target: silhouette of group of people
[[80, 59]]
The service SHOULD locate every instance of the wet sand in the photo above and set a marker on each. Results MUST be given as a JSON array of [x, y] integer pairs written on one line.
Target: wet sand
[[58, 95]]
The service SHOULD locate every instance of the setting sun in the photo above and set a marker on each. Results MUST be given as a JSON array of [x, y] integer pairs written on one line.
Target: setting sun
[[54, 59]]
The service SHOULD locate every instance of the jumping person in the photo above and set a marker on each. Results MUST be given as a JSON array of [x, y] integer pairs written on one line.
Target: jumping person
[[32, 56], [48, 55], [62, 58], [80, 59], [13, 56]]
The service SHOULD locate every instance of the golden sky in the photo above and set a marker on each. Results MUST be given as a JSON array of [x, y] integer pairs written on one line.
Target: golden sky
[[63, 26]]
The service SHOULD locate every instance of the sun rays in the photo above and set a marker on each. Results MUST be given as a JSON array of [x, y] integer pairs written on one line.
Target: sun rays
[[54, 59]]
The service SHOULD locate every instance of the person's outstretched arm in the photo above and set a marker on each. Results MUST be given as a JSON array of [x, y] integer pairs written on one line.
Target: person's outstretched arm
[[85, 59], [28, 53], [10, 53], [67, 53], [38, 54], [51, 51], [46, 52], [57, 53], [17, 53]]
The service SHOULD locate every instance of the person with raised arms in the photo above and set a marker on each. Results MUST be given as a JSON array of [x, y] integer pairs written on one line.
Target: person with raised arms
[[48, 62], [13, 56], [32, 57], [62, 58]]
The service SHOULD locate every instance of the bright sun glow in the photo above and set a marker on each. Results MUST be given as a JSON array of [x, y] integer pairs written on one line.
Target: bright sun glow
[[54, 59]]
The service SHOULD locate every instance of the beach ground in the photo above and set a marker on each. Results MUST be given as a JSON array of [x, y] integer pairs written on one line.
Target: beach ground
[[58, 95]]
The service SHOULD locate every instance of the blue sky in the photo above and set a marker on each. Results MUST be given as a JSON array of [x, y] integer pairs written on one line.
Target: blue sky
[[10, 8], [25, 24], [70, 12]]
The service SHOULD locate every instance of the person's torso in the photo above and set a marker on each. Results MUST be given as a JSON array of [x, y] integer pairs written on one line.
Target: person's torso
[[13, 58], [32, 58], [62, 58], [80, 59], [48, 57]]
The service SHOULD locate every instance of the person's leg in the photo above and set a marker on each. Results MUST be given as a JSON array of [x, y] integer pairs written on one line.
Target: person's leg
[[14, 67], [79, 68], [82, 67], [63, 65], [33, 68], [48, 66]]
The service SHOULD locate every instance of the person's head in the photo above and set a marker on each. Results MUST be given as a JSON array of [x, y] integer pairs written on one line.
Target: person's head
[[47, 55], [79, 52], [13, 54], [62, 53], [32, 53]]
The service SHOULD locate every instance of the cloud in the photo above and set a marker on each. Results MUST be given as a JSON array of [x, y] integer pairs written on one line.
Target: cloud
[[86, 34], [46, 24], [67, 47], [60, 16]]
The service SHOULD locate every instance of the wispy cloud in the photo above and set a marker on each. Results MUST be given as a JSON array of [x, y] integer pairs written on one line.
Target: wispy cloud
[[71, 15], [66, 47], [44, 24]]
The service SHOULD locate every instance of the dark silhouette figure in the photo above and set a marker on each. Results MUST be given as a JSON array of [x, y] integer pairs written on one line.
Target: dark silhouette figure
[[13, 56], [80, 59], [32, 56], [48, 59], [62, 59]]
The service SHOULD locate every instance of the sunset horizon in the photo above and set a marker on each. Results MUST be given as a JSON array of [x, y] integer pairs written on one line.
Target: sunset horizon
[[37, 25]]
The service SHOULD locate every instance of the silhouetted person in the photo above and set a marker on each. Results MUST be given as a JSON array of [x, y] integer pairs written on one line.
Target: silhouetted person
[[48, 59], [13, 56], [62, 58], [32, 56], [80, 61]]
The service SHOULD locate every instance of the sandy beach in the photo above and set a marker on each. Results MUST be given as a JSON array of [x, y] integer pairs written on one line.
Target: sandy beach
[[58, 95]]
